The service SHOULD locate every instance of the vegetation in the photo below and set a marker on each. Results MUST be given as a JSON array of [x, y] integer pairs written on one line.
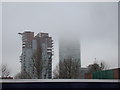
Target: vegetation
[[5, 72], [97, 67], [22, 75], [68, 69]]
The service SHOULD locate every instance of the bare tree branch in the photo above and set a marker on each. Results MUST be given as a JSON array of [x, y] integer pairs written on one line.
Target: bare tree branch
[[37, 63], [103, 65], [69, 69], [22, 75], [97, 67], [5, 71], [56, 72]]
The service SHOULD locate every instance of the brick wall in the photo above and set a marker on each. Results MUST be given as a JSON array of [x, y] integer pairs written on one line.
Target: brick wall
[[116, 73], [88, 76]]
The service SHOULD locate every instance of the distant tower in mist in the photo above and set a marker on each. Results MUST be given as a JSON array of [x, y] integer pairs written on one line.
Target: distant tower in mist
[[69, 48]]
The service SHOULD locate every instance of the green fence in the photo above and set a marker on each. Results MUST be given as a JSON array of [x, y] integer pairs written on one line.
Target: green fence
[[107, 74]]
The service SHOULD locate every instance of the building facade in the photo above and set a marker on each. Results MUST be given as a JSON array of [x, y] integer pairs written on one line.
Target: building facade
[[36, 57], [104, 74], [83, 71]]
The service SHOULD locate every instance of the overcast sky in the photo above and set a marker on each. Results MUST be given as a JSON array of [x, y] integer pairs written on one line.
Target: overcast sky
[[96, 24]]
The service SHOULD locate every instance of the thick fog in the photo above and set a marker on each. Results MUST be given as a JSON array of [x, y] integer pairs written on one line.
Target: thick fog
[[94, 24]]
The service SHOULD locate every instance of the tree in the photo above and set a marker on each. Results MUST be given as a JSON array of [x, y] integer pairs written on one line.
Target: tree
[[93, 67], [17, 76], [22, 75], [69, 69], [56, 72], [37, 64], [5, 71], [103, 65], [97, 67]]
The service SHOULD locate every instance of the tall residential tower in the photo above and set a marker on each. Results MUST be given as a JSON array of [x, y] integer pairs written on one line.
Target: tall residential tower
[[36, 57]]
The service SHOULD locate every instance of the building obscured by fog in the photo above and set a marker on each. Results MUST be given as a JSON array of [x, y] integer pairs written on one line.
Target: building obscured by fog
[[95, 23], [69, 48]]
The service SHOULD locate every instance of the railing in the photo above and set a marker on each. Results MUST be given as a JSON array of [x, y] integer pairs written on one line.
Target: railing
[[59, 80]]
